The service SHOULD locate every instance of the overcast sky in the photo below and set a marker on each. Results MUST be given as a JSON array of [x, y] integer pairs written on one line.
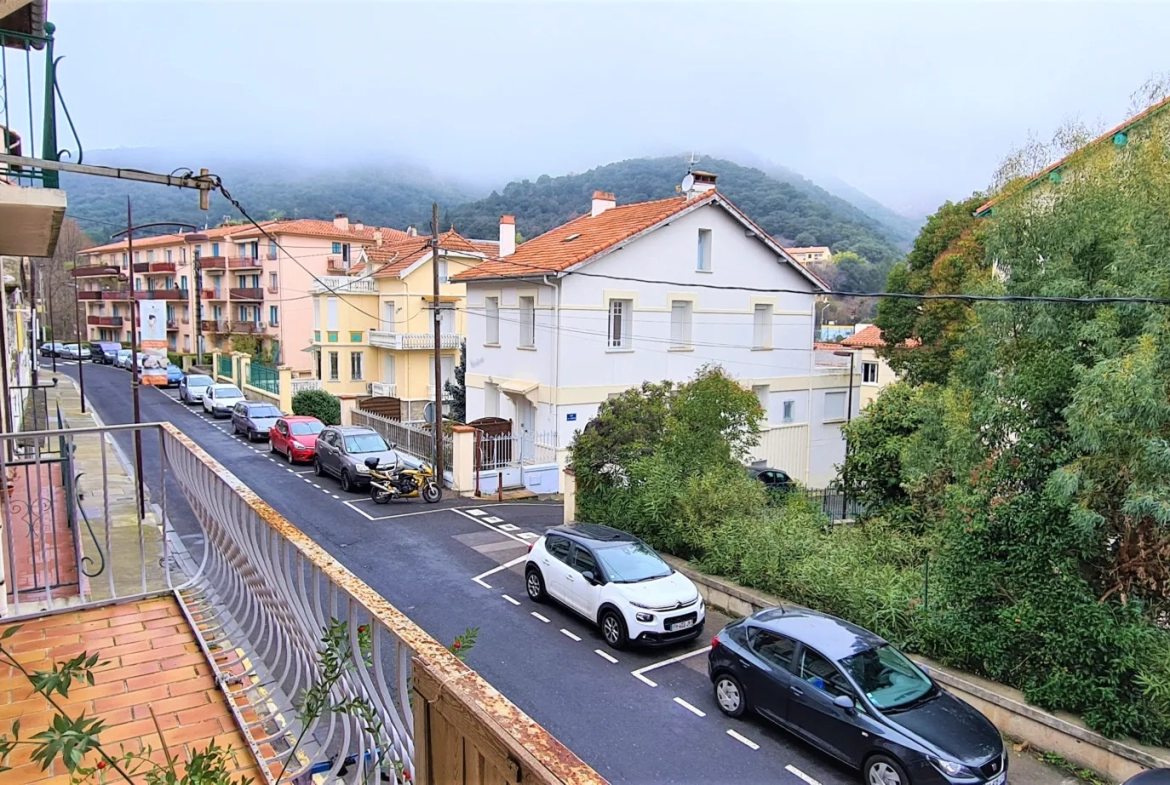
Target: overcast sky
[[912, 103]]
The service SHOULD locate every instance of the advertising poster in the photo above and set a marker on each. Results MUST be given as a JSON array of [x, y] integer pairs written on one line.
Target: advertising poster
[[152, 339]]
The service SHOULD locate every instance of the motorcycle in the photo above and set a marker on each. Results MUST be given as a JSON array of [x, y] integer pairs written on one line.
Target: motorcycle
[[401, 482]]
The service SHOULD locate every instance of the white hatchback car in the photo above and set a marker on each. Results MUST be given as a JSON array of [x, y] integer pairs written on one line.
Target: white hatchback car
[[220, 399], [617, 582]]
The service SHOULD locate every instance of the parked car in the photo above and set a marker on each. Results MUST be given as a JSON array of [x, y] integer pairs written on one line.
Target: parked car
[[342, 451], [52, 349], [220, 399], [773, 479], [174, 375], [617, 582], [254, 419], [123, 359], [855, 696], [296, 437], [192, 387], [105, 352], [73, 351], [1151, 777]]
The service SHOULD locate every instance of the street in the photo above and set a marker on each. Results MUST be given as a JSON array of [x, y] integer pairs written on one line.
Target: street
[[635, 716]]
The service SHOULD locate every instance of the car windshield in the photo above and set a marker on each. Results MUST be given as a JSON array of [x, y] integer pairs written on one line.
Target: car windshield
[[124, 353], [306, 428], [887, 677], [227, 391], [365, 442], [264, 412], [632, 562], [198, 381]]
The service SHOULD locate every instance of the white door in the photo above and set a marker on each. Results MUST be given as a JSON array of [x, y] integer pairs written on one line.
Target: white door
[[388, 316], [526, 427], [387, 368]]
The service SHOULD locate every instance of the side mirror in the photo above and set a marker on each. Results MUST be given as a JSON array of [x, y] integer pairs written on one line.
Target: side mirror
[[393, 445], [371, 462], [845, 703], [589, 576]]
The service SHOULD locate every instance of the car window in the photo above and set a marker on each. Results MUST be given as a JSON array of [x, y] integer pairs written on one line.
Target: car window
[[559, 547], [768, 476], [304, 428], [821, 673], [887, 677], [264, 411], [774, 649], [583, 560], [631, 562], [365, 442]]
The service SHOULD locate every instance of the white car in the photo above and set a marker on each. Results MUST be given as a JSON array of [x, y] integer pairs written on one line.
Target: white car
[[72, 351], [617, 582], [219, 399]]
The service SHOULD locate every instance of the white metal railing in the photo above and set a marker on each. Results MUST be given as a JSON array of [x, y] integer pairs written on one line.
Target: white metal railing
[[503, 450], [385, 339], [384, 389], [343, 284], [300, 385], [824, 359], [416, 442]]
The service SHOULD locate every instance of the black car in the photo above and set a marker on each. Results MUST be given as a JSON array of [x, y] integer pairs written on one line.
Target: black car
[[773, 479], [1151, 777], [855, 696]]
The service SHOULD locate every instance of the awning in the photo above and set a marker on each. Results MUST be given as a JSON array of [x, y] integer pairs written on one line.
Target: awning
[[520, 387]]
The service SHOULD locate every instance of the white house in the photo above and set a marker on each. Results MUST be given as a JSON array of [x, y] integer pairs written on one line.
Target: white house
[[646, 292]]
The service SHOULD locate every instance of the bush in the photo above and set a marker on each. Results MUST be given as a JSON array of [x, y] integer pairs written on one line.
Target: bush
[[175, 358], [319, 404]]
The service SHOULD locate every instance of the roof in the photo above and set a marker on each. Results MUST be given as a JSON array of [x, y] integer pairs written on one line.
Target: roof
[[588, 236], [835, 638], [825, 346], [302, 226], [395, 258], [871, 338], [1140, 117], [809, 249]]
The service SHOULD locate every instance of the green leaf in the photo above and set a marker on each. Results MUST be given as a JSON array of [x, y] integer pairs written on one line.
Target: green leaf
[[9, 632]]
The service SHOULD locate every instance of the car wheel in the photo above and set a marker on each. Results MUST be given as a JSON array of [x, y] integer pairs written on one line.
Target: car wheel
[[729, 695], [288, 456], [882, 770], [346, 483], [534, 583], [613, 629], [251, 435], [318, 470]]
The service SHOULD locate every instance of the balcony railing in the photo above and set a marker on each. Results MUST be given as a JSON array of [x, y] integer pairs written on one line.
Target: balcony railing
[[104, 321], [209, 325], [335, 264], [384, 389], [160, 294], [247, 294], [95, 270], [89, 295], [244, 262], [300, 385], [213, 263], [247, 328], [31, 93], [343, 285], [172, 325], [413, 341], [149, 268]]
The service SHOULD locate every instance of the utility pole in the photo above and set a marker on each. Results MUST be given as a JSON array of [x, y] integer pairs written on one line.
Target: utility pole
[[76, 318], [438, 424], [134, 381], [198, 301]]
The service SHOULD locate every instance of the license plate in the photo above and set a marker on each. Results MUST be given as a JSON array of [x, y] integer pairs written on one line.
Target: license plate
[[681, 625], [1000, 780]]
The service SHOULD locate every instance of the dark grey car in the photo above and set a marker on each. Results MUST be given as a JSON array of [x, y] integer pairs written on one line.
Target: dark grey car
[[856, 697], [254, 419], [342, 451]]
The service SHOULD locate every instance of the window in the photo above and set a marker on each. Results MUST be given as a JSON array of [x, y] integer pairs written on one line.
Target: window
[[183, 254], [789, 411], [337, 248], [869, 373], [137, 257], [334, 370], [446, 318], [345, 253], [388, 312], [331, 313], [834, 406], [272, 281], [150, 256], [558, 547], [583, 561], [273, 315], [169, 257], [528, 321], [442, 269], [773, 648], [680, 324], [491, 400], [125, 261], [447, 367], [492, 317], [621, 315], [316, 313], [763, 327], [704, 264], [272, 249], [183, 283], [198, 252], [821, 673], [762, 392], [215, 249], [355, 366]]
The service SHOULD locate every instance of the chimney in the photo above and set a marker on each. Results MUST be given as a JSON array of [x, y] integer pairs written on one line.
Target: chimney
[[704, 182], [359, 225], [340, 222], [602, 201], [411, 231], [507, 235], [378, 237]]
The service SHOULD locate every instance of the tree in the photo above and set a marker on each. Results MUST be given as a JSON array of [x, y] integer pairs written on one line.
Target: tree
[[806, 239], [457, 389], [55, 283], [319, 404]]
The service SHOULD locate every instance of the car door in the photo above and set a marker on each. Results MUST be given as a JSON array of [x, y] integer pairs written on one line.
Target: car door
[[768, 676], [554, 566], [585, 594], [812, 713], [209, 399], [325, 450], [238, 417], [277, 436]]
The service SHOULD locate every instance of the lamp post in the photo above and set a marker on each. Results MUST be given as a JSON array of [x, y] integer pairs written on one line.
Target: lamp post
[[77, 319]]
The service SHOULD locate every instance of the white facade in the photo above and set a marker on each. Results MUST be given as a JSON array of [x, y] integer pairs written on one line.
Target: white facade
[[587, 338]]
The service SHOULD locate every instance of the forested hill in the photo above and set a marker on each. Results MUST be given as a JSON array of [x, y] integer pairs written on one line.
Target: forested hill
[[795, 216]]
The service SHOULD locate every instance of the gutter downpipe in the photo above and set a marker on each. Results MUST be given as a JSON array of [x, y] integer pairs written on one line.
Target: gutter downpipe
[[556, 366], [812, 367]]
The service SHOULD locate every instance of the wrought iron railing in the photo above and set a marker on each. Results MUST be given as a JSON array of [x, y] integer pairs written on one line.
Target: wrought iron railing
[[225, 366], [264, 377]]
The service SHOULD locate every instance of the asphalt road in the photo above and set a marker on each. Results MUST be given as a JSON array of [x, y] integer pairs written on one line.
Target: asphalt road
[[635, 716]]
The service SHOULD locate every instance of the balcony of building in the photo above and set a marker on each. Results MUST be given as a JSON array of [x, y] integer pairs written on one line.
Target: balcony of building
[[172, 325], [160, 294], [244, 263], [247, 328], [95, 271], [335, 264], [215, 631], [413, 341], [210, 326], [104, 321], [256, 293], [213, 294], [342, 284], [213, 263], [154, 268], [32, 204]]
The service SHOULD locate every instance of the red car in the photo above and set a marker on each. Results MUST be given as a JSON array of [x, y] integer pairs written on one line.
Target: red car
[[295, 437]]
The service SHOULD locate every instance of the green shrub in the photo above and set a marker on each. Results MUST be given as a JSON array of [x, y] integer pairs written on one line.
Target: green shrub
[[319, 404]]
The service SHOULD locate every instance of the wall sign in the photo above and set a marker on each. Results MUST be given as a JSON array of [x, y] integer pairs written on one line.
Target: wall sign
[[571, 417]]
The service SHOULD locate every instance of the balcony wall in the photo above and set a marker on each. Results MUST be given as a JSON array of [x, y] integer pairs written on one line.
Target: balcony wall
[[95, 271], [160, 294], [413, 341], [247, 294], [104, 321], [244, 263], [213, 263]]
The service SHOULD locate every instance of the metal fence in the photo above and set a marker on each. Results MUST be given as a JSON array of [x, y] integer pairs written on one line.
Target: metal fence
[[264, 377], [502, 450], [225, 366], [418, 442], [834, 503]]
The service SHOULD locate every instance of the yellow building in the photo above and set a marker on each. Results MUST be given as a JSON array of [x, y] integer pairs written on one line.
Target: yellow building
[[373, 330], [810, 254]]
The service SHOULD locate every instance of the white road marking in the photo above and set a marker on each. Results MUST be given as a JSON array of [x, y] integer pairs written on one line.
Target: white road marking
[[470, 517], [638, 673], [529, 536], [542, 618], [479, 578], [570, 635], [744, 739], [324, 490], [477, 512], [801, 775], [510, 599], [306, 479], [605, 655], [690, 708], [352, 504], [494, 519], [508, 527], [335, 496]]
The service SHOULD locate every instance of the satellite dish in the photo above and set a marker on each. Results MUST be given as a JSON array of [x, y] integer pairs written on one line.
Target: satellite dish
[[688, 181], [429, 412]]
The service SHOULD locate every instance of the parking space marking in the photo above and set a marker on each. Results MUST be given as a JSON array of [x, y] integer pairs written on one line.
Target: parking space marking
[[468, 516], [335, 496], [508, 527], [639, 674], [529, 536], [510, 599], [690, 708], [542, 618], [477, 512], [801, 775], [744, 739], [605, 655], [479, 578], [570, 635], [494, 519]]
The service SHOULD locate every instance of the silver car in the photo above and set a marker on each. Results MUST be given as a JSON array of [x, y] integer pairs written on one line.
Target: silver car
[[342, 451], [192, 387]]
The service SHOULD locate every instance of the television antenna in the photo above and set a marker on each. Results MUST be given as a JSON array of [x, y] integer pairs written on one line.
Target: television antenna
[[694, 159]]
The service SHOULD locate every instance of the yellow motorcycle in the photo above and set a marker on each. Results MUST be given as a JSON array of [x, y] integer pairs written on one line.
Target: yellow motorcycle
[[402, 482]]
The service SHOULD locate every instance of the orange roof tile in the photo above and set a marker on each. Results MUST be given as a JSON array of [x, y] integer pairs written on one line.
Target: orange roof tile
[[823, 346], [871, 338], [176, 239], [316, 228], [396, 257]]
